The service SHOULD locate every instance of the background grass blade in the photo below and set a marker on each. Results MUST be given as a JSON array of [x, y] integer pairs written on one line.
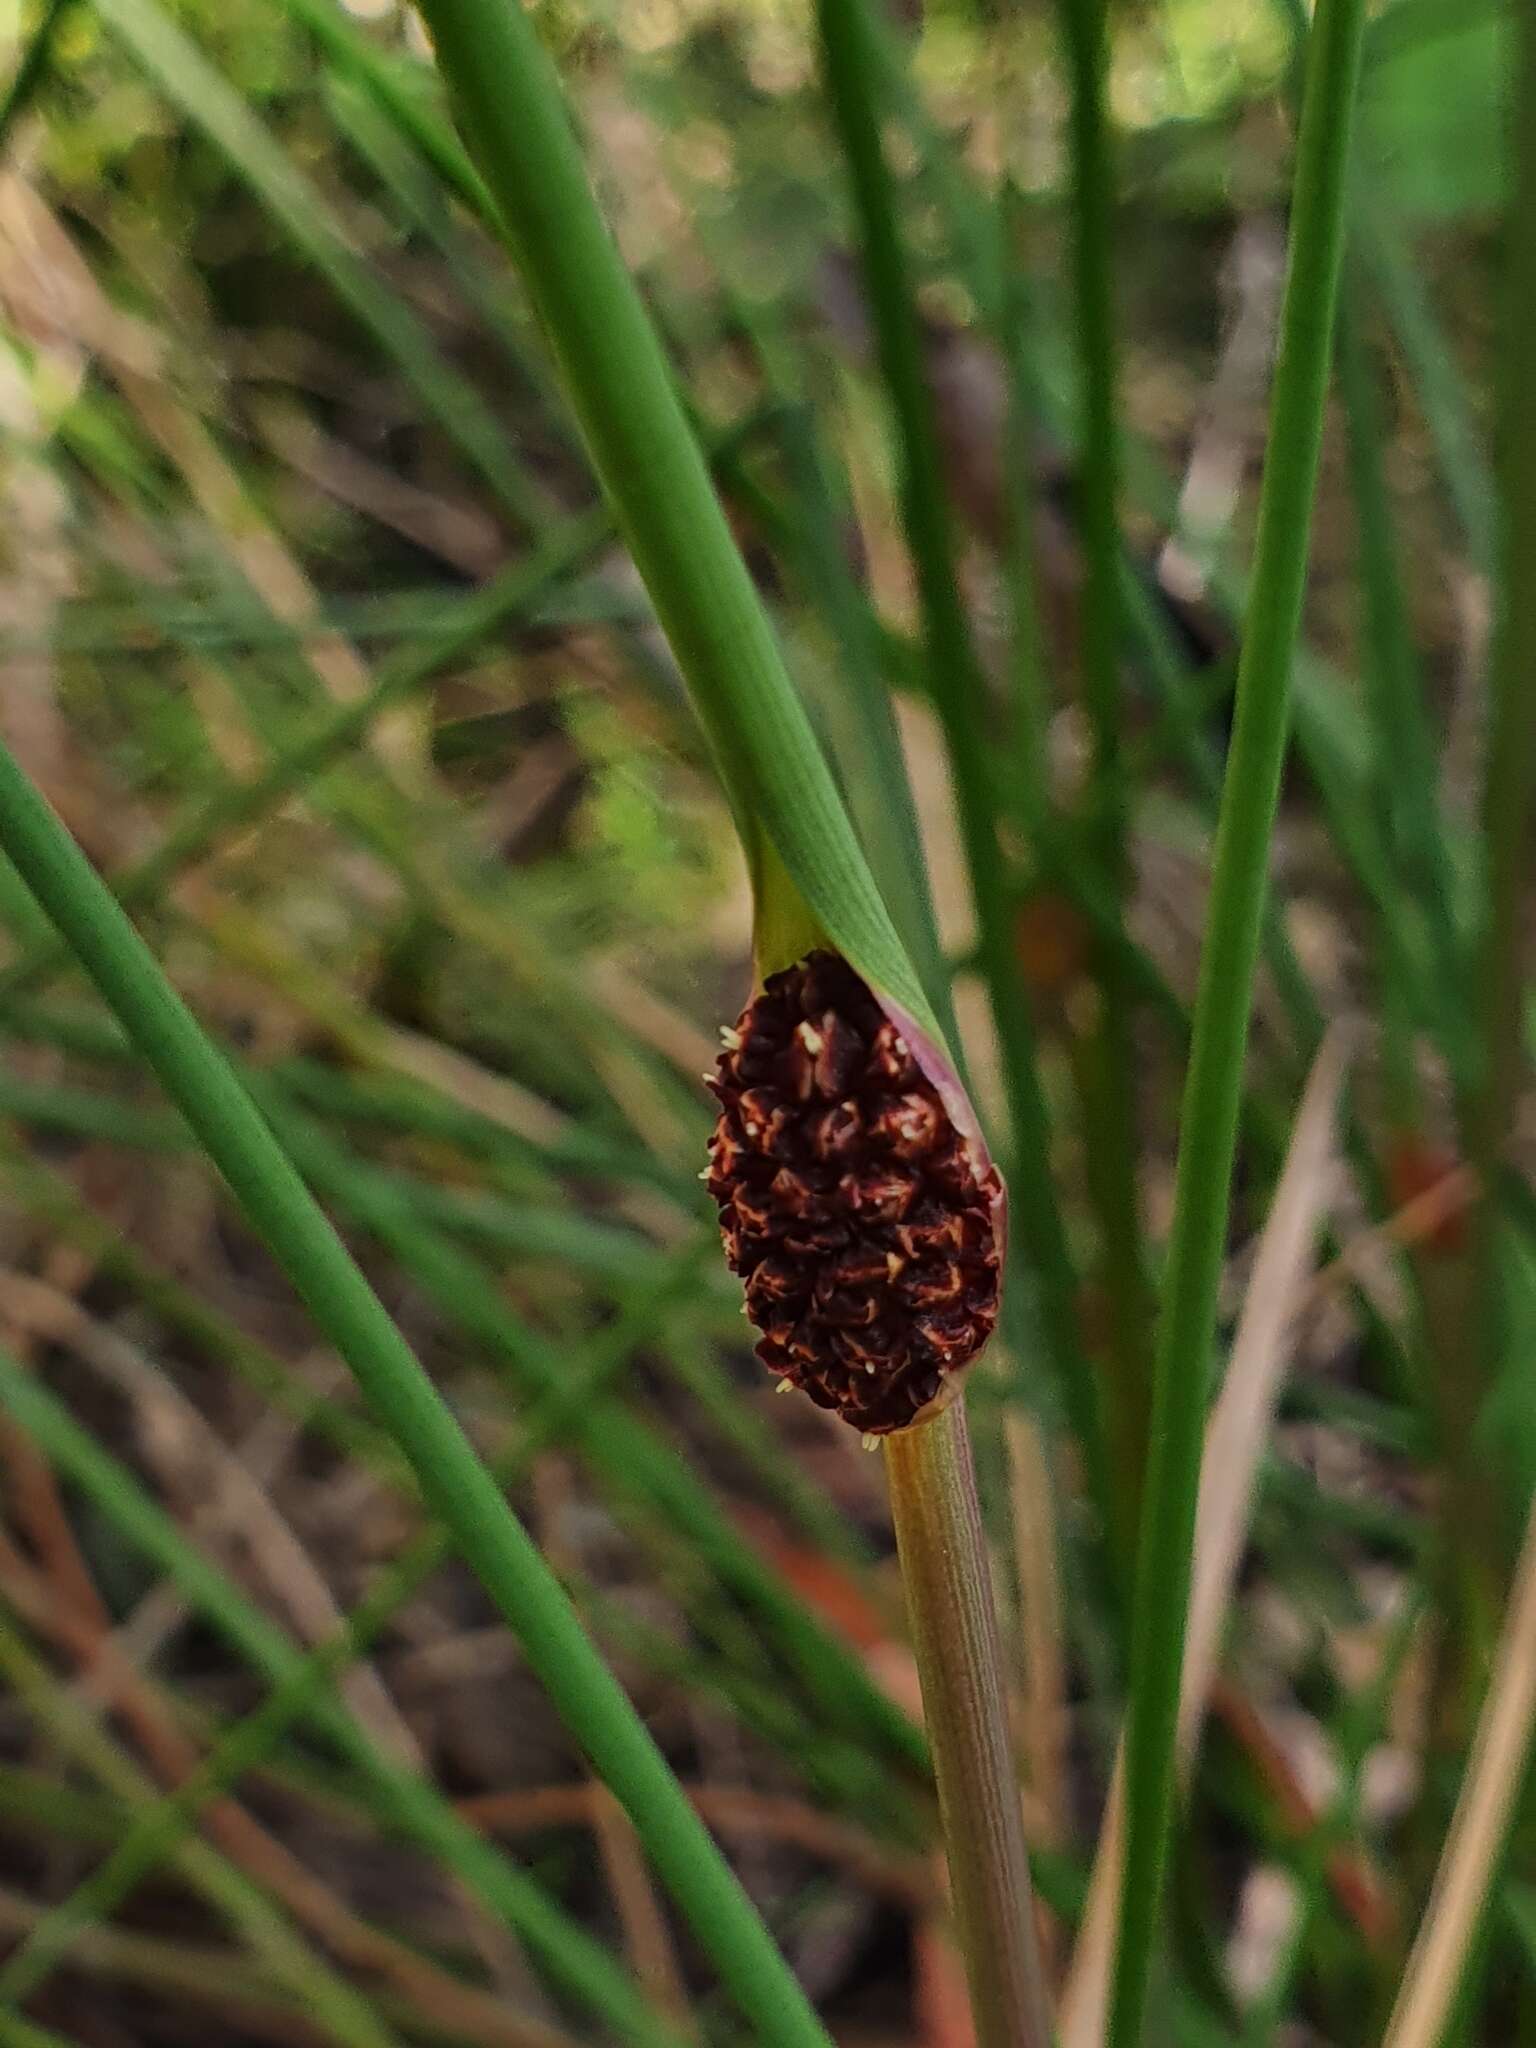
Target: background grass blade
[[452, 1478], [1208, 1126], [1106, 1058], [959, 692], [1509, 789], [791, 819]]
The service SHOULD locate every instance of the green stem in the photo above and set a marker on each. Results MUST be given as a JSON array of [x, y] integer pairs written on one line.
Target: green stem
[[1213, 1092], [947, 1574], [864, 738], [959, 692], [1432, 372], [31, 71], [356, 55], [1404, 779], [807, 866], [1411, 831], [1509, 796], [1029, 699], [458, 1486], [1107, 1065]]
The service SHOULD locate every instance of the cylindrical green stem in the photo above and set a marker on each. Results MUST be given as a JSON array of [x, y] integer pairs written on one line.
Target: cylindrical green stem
[[32, 69], [954, 1632], [959, 692], [1106, 1061], [794, 827], [453, 1480], [1213, 1092], [1509, 796]]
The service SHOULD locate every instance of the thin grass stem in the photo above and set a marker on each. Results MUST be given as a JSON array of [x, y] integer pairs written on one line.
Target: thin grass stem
[[1406, 804], [358, 57], [1213, 1092], [1029, 696], [31, 71], [285, 1214], [1106, 1065], [1509, 793], [958, 690], [811, 879], [1438, 382]]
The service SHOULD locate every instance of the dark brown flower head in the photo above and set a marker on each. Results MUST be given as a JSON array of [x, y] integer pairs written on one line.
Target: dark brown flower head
[[857, 1203]]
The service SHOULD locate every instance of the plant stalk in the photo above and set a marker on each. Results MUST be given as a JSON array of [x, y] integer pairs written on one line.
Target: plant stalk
[[948, 1580], [958, 690], [809, 873], [1213, 1091], [1509, 794], [31, 71], [1106, 1059], [454, 1482]]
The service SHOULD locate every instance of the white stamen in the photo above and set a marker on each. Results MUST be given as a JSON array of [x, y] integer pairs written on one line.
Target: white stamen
[[785, 1387], [810, 1038], [871, 1442], [730, 1038]]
